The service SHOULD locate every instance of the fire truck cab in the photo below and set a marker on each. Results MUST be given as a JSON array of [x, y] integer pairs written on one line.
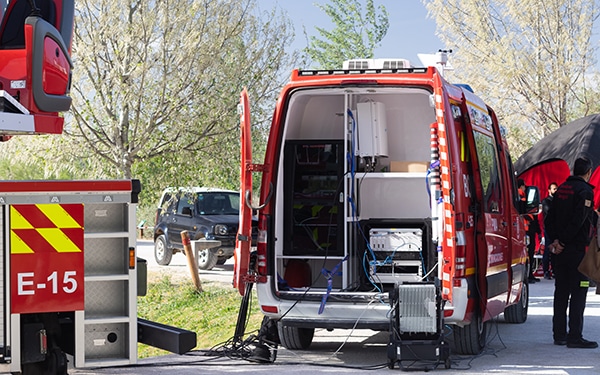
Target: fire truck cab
[[35, 65], [386, 192]]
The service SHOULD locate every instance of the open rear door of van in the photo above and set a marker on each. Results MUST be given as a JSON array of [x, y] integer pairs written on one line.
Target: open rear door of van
[[244, 235], [494, 257]]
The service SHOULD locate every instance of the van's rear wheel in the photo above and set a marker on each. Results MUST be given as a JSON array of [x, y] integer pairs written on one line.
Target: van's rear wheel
[[295, 338], [517, 313], [470, 339]]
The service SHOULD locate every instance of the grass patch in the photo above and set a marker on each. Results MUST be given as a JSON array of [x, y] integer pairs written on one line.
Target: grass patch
[[212, 314]]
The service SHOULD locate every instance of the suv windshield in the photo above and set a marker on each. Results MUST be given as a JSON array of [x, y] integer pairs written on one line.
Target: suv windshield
[[217, 203]]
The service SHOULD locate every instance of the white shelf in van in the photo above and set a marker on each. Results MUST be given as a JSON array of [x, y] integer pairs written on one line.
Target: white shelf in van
[[392, 195], [360, 175]]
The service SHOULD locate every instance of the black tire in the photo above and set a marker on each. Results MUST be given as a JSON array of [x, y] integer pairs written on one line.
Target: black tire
[[517, 313], [295, 338], [55, 364], [162, 254], [470, 339], [207, 259], [32, 369]]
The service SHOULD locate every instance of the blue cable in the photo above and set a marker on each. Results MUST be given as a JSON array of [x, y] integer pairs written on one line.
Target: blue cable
[[329, 276]]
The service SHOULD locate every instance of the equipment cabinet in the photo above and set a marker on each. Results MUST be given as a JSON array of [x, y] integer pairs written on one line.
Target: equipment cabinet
[[107, 329], [71, 281], [313, 209]]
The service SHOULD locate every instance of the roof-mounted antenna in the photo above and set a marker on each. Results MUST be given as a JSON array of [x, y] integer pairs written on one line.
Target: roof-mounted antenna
[[438, 59]]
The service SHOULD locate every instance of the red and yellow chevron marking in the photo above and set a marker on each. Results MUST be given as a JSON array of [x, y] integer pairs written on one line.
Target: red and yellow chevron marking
[[46, 228]]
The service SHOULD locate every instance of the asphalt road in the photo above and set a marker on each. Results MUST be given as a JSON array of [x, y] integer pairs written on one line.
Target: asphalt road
[[178, 268], [511, 348]]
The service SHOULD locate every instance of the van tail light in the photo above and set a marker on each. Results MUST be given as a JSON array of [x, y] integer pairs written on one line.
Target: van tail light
[[261, 247], [269, 309]]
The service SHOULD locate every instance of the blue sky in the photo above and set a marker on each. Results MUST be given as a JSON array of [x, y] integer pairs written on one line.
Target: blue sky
[[410, 31]]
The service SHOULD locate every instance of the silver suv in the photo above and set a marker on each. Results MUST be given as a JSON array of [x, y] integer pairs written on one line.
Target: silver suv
[[205, 213]]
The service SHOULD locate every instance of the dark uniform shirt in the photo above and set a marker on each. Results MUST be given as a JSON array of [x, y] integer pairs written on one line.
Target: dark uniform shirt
[[546, 204], [571, 216]]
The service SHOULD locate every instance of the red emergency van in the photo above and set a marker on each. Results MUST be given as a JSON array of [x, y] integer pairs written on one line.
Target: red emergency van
[[377, 181]]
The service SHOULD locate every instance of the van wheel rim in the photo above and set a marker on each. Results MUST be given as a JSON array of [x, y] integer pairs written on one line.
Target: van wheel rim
[[524, 296]]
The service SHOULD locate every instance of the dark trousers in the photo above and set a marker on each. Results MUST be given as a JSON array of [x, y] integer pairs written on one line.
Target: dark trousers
[[531, 253], [546, 257], [570, 291]]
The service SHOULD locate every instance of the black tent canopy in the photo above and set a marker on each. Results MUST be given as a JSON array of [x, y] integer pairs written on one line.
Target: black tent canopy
[[551, 159], [578, 138]]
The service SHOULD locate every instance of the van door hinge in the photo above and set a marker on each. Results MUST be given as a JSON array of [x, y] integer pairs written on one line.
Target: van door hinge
[[254, 278]]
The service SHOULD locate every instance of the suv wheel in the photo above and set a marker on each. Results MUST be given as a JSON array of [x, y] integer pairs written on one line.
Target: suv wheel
[[207, 259], [162, 254]]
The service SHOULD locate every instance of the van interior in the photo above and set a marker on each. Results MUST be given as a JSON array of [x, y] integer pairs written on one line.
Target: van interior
[[354, 181]]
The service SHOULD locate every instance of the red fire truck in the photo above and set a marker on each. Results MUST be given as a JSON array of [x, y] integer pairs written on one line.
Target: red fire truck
[[388, 201], [67, 248]]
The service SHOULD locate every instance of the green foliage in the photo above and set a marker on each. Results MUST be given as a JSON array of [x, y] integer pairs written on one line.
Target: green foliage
[[35, 158], [212, 314], [533, 61], [355, 34], [585, 98], [141, 92], [151, 105]]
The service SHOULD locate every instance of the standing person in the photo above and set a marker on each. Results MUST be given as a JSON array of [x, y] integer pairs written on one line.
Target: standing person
[[546, 203], [570, 225], [534, 232], [532, 228]]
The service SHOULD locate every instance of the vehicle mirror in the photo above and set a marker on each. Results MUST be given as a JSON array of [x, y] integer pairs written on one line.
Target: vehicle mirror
[[532, 205], [186, 211]]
